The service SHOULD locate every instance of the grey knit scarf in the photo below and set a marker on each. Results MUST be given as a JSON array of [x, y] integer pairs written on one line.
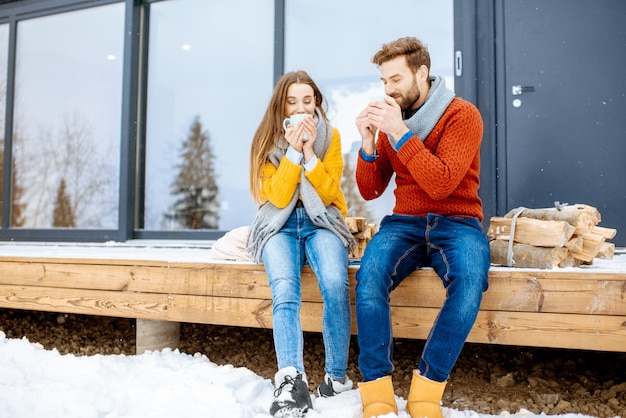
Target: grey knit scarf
[[270, 219], [424, 120]]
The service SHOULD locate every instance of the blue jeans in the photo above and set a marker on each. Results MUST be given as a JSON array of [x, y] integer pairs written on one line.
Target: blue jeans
[[284, 255], [458, 250]]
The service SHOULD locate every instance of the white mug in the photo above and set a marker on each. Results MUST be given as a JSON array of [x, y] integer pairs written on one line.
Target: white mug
[[294, 120], [378, 99]]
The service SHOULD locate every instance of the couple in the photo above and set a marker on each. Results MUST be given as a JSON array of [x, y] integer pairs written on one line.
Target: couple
[[431, 141]]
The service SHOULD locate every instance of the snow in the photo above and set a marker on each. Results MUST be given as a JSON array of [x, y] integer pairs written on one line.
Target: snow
[[35, 382], [198, 251]]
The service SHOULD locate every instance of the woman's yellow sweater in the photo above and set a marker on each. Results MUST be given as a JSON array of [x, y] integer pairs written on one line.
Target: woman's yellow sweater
[[280, 183]]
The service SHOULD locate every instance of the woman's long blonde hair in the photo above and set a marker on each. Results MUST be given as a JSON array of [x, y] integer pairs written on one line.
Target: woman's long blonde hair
[[271, 127]]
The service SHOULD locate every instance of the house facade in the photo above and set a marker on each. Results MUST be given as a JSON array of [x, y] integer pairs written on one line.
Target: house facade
[[106, 103]]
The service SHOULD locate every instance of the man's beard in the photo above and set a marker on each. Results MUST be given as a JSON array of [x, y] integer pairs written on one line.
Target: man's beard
[[410, 98]]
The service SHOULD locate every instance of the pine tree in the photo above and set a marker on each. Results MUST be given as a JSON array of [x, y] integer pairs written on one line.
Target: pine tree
[[357, 207], [63, 213], [195, 188]]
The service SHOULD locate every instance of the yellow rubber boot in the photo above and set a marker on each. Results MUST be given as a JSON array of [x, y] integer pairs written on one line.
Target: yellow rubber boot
[[424, 397], [377, 397]]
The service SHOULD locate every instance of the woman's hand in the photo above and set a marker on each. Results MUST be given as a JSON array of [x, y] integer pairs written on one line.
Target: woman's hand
[[295, 137]]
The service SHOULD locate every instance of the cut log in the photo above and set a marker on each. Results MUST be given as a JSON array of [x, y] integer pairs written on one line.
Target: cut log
[[582, 217], [362, 233], [575, 244], [359, 249], [607, 250], [591, 245], [531, 231], [527, 256], [570, 261], [366, 234], [607, 233], [356, 224]]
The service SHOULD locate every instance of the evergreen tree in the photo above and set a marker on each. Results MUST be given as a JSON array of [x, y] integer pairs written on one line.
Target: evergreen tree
[[63, 213], [357, 207], [195, 188]]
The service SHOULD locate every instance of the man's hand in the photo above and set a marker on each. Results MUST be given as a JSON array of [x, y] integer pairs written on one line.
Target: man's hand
[[387, 116], [367, 131]]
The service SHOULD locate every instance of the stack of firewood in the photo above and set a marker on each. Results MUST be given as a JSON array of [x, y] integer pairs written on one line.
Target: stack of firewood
[[362, 233], [563, 236]]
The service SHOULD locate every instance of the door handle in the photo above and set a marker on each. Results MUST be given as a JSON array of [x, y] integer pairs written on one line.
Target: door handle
[[518, 90]]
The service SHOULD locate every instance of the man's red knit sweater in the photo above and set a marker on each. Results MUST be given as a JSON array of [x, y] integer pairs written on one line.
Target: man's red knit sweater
[[439, 175]]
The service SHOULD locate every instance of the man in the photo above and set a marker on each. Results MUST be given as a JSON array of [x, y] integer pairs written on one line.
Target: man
[[431, 141]]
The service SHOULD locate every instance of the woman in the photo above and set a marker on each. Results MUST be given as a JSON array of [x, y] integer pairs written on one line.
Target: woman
[[301, 219]]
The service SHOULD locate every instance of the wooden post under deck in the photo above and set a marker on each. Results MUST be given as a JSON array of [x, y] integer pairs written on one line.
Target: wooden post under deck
[[154, 335]]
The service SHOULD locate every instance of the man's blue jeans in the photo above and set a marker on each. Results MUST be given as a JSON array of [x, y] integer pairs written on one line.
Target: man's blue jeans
[[284, 255], [458, 251]]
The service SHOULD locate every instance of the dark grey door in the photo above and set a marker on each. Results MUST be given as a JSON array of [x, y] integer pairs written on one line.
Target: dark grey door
[[565, 110]]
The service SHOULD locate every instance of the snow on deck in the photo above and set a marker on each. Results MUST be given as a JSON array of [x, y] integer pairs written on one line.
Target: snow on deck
[[197, 251]]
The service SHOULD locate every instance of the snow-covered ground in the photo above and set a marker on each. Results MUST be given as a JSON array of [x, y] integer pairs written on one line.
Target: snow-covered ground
[[43, 383]]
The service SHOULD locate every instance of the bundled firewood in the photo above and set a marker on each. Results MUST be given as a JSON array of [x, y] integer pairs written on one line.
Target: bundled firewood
[[362, 233], [563, 236]]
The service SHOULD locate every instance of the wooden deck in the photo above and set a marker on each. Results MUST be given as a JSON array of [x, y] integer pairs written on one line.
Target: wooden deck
[[580, 308]]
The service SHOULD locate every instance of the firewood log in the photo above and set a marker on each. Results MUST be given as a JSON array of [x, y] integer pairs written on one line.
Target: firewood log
[[532, 231], [527, 256], [582, 217]]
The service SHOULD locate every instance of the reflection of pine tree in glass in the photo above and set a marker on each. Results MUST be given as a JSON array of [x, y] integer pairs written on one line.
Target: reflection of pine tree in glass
[[63, 213], [196, 205], [357, 207]]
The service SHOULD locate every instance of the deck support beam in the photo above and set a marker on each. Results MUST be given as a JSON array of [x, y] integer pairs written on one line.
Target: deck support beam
[[154, 335]]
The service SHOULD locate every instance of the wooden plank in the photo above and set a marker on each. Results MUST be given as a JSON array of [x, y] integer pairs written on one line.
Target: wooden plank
[[581, 292], [83, 301], [569, 308], [587, 332], [69, 274], [86, 260], [606, 333], [595, 332]]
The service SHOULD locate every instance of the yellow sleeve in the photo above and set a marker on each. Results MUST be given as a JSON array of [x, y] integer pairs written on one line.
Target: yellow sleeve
[[279, 184], [326, 176]]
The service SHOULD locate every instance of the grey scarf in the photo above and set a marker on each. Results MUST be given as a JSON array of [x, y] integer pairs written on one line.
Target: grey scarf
[[270, 219], [424, 120]]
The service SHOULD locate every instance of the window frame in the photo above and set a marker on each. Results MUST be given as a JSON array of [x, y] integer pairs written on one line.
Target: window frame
[[133, 122]]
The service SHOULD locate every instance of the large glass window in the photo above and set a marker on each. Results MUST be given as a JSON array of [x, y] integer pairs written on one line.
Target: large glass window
[[67, 111], [4, 49], [198, 81], [210, 77], [334, 42]]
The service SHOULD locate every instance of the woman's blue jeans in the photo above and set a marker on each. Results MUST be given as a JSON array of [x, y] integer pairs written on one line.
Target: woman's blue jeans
[[284, 255], [458, 250]]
